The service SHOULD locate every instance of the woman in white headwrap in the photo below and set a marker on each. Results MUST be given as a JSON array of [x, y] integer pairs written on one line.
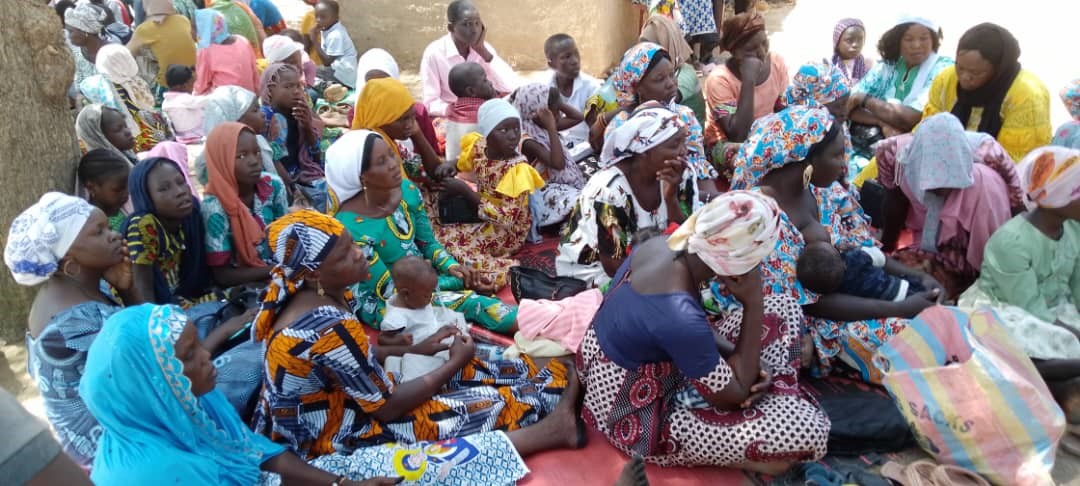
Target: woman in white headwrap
[[664, 383], [236, 104], [120, 87], [641, 185]]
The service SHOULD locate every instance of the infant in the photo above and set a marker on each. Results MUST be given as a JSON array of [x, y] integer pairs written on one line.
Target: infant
[[860, 272]]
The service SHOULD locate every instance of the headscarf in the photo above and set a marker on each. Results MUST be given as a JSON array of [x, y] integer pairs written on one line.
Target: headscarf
[[1067, 135], [86, 17], [908, 18], [278, 48], [221, 165], [41, 235], [492, 113], [116, 63], [998, 46], [345, 162], [308, 158], [665, 32], [210, 26], [858, 68], [650, 125], [731, 234], [194, 274], [88, 129], [1050, 177], [157, 10], [528, 101], [740, 28], [816, 84], [1070, 95], [375, 60], [381, 103], [155, 428], [941, 155], [270, 78], [635, 63], [228, 104], [301, 242], [777, 140]]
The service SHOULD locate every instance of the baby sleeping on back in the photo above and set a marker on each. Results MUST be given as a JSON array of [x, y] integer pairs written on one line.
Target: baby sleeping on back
[[860, 271]]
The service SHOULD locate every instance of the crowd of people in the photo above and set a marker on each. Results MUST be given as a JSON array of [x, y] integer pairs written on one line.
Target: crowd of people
[[268, 235]]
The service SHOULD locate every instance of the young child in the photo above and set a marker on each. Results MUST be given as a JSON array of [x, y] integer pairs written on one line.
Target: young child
[[410, 316], [574, 86], [849, 36], [860, 272], [308, 66], [103, 175], [334, 46], [183, 109], [470, 84]]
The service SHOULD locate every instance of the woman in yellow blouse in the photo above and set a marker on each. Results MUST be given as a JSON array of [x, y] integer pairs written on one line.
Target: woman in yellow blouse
[[989, 92]]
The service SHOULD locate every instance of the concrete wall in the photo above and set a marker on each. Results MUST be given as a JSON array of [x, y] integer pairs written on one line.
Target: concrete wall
[[516, 28]]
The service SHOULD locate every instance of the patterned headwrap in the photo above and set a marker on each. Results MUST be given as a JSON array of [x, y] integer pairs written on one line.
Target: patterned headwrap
[[1050, 177], [777, 140], [300, 241], [42, 234], [635, 63], [1067, 135], [117, 64], [1070, 95], [858, 68], [529, 100], [816, 84], [731, 234], [345, 161], [210, 26], [740, 28], [650, 125], [382, 102], [86, 17]]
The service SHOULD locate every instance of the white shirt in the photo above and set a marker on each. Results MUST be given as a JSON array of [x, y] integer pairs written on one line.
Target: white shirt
[[421, 323], [336, 42], [442, 55], [584, 87]]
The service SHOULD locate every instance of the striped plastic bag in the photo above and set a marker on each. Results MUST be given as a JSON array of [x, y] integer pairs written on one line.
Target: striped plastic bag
[[972, 397]]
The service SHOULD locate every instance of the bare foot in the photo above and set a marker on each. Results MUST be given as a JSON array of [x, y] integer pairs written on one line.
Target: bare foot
[[568, 413], [633, 474]]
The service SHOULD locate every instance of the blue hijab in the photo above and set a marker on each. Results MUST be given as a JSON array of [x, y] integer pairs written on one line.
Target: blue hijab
[[155, 431], [194, 274], [211, 27]]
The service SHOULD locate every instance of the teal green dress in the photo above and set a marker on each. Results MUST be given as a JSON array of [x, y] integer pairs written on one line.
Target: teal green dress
[[407, 232]]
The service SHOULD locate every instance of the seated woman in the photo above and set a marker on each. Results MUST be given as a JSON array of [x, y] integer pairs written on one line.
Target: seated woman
[[73, 257], [378, 64], [240, 201], [465, 42], [1068, 134], [645, 74], [327, 392], [84, 29], [890, 99], [1031, 270], [371, 199], [99, 127], [120, 87], [733, 109], [716, 395], [241, 21], [227, 60], [820, 84], [235, 104], [293, 130], [543, 115], [639, 187], [662, 30], [795, 156], [167, 35], [989, 92], [950, 203]]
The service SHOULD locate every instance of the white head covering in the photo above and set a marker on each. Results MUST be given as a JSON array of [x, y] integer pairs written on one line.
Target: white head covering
[[116, 63], [344, 165], [278, 48], [650, 125], [375, 60], [908, 18], [492, 113], [731, 234], [225, 104], [42, 234]]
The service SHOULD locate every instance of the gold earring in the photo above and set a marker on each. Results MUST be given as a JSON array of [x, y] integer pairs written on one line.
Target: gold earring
[[807, 175], [66, 265], [319, 289]]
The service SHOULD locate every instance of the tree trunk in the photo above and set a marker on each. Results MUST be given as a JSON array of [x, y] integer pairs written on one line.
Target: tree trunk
[[38, 151]]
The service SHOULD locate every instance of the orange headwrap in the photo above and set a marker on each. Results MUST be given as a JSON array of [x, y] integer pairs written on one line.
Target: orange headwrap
[[221, 167], [739, 28]]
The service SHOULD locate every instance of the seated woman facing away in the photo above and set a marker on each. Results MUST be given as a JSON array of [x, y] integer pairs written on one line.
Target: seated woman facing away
[[65, 243], [952, 204], [989, 92], [293, 130], [716, 396], [1031, 271], [167, 35], [326, 391], [639, 187], [890, 99], [120, 87], [1068, 134], [223, 59], [241, 200], [385, 214]]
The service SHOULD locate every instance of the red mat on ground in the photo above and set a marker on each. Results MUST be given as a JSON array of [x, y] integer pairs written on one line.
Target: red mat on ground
[[600, 464]]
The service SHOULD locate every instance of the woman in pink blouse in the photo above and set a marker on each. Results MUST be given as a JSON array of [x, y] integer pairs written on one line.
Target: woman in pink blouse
[[222, 59]]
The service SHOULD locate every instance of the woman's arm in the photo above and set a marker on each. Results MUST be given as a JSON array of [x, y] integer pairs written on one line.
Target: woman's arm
[[745, 360], [142, 285], [571, 116], [737, 126], [894, 209], [230, 276], [428, 157], [903, 118], [411, 394], [294, 471], [848, 308]]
